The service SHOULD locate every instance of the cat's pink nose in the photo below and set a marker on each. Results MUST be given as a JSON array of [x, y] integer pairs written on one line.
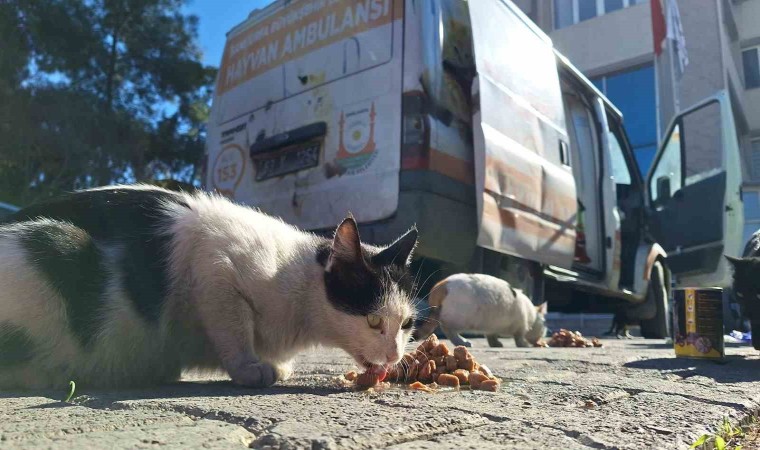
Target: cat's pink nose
[[392, 357]]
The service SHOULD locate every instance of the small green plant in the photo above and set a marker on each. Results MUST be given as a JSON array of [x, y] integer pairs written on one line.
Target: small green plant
[[727, 437], [72, 388]]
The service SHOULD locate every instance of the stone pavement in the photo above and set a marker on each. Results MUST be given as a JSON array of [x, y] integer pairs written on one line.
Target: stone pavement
[[628, 394]]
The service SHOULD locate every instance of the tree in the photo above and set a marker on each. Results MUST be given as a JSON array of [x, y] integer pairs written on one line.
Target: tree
[[98, 92]]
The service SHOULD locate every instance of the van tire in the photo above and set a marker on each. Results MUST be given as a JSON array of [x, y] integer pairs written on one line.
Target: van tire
[[658, 327]]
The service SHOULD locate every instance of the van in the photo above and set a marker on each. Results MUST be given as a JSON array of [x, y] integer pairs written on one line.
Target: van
[[461, 117]]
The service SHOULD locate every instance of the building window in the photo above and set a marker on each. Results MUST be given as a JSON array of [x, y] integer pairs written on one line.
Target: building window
[[586, 9], [751, 213], [755, 155], [633, 93], [613, 5], [570, 12], [751, 62]]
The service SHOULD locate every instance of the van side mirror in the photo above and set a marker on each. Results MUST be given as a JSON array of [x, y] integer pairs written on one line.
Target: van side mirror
[[663, 189]]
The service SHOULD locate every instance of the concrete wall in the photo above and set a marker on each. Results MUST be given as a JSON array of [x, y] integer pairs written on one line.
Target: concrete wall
[[704, 74], [747, 14], [715, 31], [608, 43]]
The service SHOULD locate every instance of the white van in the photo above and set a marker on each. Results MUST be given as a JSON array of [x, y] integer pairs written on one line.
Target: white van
[[461, 117]]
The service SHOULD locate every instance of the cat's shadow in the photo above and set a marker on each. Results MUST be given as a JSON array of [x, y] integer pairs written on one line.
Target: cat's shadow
[[111, 399]]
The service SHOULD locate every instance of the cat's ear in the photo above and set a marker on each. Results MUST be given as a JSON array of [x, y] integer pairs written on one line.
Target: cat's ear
[[734, 261], [346, 245], [400, 252]]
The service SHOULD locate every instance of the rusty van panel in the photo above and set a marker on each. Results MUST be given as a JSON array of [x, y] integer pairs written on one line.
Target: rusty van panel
[[525, 189]]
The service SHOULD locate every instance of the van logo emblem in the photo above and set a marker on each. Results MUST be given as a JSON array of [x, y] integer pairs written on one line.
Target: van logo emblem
[[356, 147], [228, 170]]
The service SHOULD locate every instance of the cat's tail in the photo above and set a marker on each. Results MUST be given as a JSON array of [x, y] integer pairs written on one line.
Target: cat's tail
[[435, 301]]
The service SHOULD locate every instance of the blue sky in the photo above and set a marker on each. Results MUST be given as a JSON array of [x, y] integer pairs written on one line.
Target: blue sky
[[216, 19]]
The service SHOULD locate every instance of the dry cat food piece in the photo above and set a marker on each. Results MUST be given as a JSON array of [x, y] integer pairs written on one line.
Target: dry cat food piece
[[428, 345], [446, 379], [367, 380], [351, 376], [420, 387], [485, 370], [440, 350], [461, 353], [431, 362], [489, 385], [426, 372], [468, 364], [566, 338], [476, 379], [463, 375]]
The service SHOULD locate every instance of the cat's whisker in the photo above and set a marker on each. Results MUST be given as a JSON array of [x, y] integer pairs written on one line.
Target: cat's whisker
[[424, 282], [416, 286], [417, 277]]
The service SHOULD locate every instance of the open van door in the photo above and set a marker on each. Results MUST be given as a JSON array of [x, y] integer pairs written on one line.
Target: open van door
[[694, 192], [526, 193]]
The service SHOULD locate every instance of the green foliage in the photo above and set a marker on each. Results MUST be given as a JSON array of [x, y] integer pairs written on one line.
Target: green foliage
[[72, 389], [726, 437], [98, 92]]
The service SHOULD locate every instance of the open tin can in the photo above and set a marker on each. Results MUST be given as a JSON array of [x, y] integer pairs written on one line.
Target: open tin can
[[698, 323]]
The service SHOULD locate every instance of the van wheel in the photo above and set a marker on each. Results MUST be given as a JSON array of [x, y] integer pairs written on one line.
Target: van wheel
[[658, 327]]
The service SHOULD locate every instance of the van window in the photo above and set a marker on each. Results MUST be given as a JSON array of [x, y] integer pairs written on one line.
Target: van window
[[701, 134], [584, 141], [669, 166], [620, 171], [450, 66]]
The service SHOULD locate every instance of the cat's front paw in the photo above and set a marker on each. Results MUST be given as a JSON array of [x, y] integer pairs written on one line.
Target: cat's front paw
[[284, 371], [256, 375]]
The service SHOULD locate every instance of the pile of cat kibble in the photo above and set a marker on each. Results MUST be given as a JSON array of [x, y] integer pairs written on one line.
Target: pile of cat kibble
[[567, 338], [431, 366]]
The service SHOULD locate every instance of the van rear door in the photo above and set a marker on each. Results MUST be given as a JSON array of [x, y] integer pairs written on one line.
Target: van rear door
[[694, 189], [525, 188], [306, 120]]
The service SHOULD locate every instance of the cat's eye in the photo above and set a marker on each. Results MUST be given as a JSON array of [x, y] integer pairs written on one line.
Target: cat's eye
[[374, 320], [407, 323], [740, 295]]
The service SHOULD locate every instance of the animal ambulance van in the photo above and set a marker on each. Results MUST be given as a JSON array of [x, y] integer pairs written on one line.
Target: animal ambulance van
[[460, 117]]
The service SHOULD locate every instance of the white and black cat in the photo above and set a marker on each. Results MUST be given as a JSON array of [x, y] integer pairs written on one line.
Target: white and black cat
[[129, 286], [484, 304]]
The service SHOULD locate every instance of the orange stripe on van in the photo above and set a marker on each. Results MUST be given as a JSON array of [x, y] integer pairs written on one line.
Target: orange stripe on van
[[438, 161], [527, 223], [452, 166], [522, 183], [297, 30], [398, 9]]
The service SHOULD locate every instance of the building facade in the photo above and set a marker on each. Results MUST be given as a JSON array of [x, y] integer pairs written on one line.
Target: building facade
[[611, 42]]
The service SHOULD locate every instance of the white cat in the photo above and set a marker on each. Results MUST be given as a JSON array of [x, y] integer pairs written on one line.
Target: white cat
[[482, 304], [130, 285]]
